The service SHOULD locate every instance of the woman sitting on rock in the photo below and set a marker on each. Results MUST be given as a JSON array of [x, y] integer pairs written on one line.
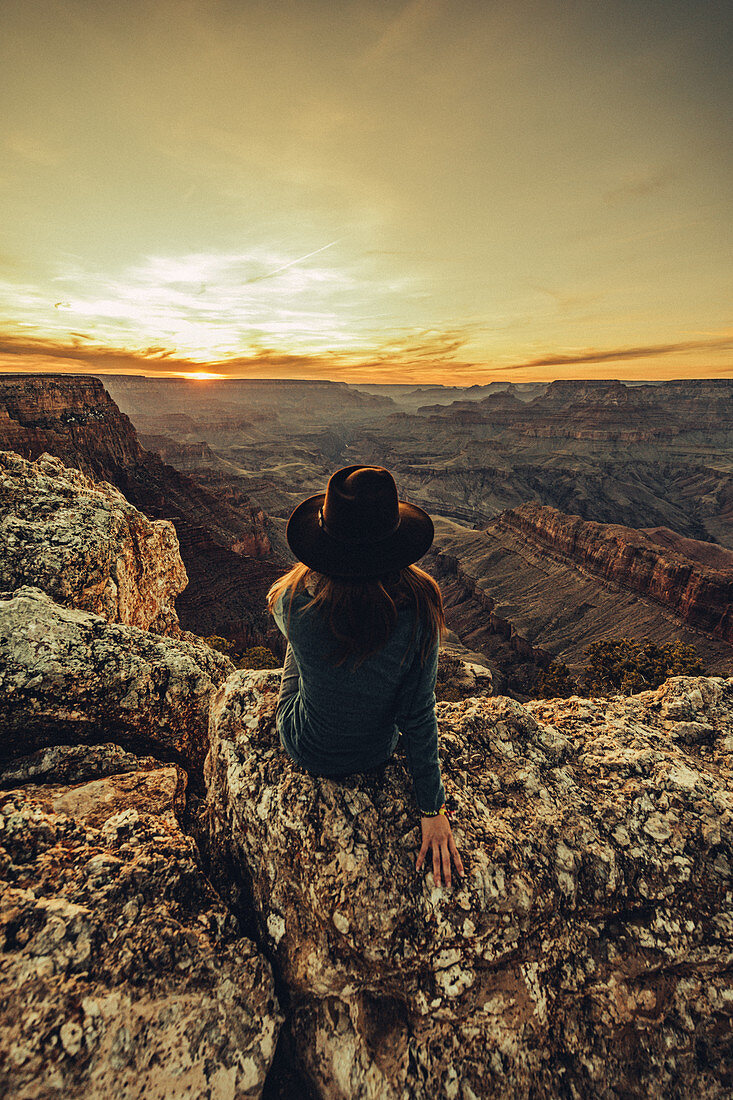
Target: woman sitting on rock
[[363, 624]]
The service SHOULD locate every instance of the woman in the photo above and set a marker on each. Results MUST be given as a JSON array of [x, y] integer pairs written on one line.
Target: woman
[[363, 624]]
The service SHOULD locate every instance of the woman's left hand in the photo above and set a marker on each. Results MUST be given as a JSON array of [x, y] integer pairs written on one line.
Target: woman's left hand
[[436, 834]]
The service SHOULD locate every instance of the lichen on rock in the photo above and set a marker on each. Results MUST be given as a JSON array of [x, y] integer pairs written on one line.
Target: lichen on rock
[[85, 545], [71, 675], [586, 953], [121, 972]]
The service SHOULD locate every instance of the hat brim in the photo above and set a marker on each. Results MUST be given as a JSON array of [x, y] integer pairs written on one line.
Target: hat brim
[[320, 551]]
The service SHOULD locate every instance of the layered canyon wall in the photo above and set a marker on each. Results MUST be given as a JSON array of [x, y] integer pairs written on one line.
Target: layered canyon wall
[[536, 584], [226, 548], [700, 594]]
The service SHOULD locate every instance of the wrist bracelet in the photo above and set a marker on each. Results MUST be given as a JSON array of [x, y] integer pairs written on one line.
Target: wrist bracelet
[[433, 813]]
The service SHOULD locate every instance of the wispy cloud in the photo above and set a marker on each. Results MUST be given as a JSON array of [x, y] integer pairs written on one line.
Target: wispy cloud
[[429, 353], [209, 305], [422, 357], [402, 29], [607, 355]]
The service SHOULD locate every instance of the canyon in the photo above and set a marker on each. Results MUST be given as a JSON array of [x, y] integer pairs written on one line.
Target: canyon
[[229, 549], [187, 912], [642, 473], [564, 512], [537, 585]]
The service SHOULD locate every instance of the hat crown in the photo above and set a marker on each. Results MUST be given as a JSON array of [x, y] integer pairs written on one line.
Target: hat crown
[[361, 505]]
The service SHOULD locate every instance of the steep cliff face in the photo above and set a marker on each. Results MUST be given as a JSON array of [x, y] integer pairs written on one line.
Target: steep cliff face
[[522, 600], [121, 970], [605, 410], [701, 594], [226, 550], [72, 417]]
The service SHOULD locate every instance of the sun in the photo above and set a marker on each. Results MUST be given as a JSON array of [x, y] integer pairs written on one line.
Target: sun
[[199, 375]]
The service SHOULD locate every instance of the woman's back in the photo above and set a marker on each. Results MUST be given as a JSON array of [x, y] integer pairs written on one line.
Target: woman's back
[[346, 716], [363, 624]]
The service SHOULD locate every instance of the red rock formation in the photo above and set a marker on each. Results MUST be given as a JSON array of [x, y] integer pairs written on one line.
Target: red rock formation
[[226, 549], [700, 594]]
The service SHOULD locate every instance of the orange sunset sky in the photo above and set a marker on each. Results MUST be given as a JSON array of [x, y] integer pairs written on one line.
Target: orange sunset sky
[[371, 190]]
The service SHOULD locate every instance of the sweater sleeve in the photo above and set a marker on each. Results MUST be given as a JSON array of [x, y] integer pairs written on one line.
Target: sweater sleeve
[[418, 725]]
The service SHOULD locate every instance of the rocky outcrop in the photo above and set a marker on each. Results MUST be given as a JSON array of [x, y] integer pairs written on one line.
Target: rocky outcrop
[[700, 594], [226, 549], [85, 545], [121, 971], [71, 675], [461, 674], [586, 953], [75, 664]]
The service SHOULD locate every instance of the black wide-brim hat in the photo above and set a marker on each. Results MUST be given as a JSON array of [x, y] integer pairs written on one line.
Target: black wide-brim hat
[[358, 528]]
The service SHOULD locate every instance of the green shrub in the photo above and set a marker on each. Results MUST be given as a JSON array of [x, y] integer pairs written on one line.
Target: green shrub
[[626, 666], [556, 682], [259, 656]]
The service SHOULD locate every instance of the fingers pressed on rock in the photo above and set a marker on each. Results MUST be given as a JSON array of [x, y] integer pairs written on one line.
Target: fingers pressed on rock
[[454, 852], [445, 857], [436, 865]]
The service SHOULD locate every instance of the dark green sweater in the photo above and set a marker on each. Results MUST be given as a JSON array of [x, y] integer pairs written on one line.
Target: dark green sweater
[[346, 719]]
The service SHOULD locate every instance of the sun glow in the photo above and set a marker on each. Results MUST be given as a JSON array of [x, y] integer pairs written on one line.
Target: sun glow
[[198, 375]]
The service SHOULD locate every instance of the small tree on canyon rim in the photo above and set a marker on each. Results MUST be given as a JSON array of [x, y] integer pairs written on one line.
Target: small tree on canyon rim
[[620, 666], [627, 666]]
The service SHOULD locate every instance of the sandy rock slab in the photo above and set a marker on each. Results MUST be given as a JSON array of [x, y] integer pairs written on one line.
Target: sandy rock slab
[[121, 972], [587, 953], [67, 675], [85, 545]]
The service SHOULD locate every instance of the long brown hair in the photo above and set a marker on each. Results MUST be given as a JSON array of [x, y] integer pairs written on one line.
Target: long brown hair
[[363, 613]]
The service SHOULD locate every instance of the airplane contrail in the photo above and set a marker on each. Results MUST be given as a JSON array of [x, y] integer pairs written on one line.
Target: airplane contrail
[[259, 278]]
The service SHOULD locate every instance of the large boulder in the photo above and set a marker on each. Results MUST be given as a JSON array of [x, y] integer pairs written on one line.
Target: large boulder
[[85, 545], [587, 953], [70, 675], [121, 972]]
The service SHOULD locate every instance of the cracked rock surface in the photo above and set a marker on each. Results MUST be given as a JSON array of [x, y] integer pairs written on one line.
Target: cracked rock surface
[[85, 545], [121, 971], [587, 953], [71, 675]]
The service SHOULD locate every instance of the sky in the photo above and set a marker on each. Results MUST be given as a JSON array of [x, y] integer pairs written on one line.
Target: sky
[[377, 191]]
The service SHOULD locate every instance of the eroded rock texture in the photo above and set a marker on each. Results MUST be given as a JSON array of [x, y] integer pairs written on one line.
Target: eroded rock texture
[[588, 951], [226, 550], [551, 584], [85, 545], [67, 674], [121, 972], [692, 578]]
